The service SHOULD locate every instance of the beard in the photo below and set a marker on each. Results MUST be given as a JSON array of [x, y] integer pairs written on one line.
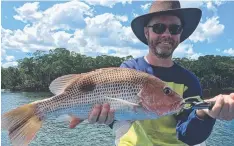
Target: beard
[[162, 47]]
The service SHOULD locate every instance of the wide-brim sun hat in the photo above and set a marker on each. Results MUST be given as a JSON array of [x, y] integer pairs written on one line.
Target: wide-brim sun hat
[[190, 18]]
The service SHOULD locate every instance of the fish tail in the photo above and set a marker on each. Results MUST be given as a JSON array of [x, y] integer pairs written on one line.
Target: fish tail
[[22, 124]]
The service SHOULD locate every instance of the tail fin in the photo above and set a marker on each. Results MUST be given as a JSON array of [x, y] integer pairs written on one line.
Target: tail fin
[[22, 124]]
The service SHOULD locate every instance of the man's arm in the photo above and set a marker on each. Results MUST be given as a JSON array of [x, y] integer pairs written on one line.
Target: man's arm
[[193, 128]]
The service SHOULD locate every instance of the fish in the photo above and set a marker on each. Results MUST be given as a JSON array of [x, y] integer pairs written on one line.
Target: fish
[[132, 94]]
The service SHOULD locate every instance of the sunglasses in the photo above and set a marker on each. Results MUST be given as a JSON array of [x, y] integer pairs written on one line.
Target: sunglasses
[[160, 28]]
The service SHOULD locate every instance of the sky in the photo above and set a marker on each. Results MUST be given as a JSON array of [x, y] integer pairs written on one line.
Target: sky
[[103, 27]]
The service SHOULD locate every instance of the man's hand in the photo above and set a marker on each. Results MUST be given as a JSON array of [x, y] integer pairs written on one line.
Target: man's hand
[[223, 108], [101, 114]]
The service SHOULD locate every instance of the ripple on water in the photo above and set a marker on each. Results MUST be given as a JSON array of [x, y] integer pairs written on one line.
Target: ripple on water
[[58, 134]]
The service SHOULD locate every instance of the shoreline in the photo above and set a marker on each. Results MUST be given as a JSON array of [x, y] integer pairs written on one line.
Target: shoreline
[[207, 93]]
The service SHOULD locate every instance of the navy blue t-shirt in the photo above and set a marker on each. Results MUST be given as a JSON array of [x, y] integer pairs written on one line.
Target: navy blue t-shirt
[[190, 129]]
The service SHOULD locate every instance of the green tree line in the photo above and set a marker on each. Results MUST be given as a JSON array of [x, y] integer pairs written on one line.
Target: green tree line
[[35, 73]]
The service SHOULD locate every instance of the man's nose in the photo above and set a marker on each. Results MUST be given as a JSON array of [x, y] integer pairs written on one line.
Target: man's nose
[[166, 33]]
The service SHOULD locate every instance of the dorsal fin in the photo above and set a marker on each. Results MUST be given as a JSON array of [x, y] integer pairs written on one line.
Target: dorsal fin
[[58, 85]]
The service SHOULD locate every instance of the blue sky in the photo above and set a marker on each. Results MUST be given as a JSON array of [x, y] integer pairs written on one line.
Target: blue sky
[[103, 27]]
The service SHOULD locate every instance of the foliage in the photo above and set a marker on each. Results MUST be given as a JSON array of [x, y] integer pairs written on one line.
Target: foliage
[[35, 73], [216, 73]]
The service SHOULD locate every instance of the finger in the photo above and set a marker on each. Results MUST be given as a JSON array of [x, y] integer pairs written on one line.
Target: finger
[[231, 109], [104, 113], [217, 107], [110, 117], [213, 99], [94, 114], [224, 113], [232, 95]]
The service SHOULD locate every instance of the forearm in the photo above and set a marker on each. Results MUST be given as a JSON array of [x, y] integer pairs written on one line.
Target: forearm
[[194, 129]]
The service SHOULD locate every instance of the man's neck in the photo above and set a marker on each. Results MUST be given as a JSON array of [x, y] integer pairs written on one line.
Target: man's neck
[[156, 61]]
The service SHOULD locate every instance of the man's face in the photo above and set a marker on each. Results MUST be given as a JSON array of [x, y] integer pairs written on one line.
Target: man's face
[[164, 44]]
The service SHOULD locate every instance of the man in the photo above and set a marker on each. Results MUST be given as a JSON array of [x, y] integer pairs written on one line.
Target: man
[[162, 30]]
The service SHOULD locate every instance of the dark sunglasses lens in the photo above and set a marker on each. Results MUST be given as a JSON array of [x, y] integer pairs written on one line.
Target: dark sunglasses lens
[[159, 28], [175, 29]]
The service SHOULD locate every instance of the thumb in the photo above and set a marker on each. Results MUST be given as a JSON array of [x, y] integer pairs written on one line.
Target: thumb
[[232, 95]]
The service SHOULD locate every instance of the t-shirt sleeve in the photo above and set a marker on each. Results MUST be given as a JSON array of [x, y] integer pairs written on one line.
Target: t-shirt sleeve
[[190, 129], [128, 64]]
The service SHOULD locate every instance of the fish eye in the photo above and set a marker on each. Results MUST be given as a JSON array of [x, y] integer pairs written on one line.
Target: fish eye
[[167, 90]]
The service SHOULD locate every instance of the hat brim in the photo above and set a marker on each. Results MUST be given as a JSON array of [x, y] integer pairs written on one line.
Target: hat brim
[[191, 19]]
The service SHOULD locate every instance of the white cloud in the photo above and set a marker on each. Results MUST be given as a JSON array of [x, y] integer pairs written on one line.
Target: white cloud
[[107, 3], [218, 50], [146, 6], [195, 56], [61, 38], [208, 30], [183, 49], [41, 34], [112, 33], [51, 31], [186, 50], [189, 4], [78, 40], [3, 53], [213, 5], [68, 15], [8, 64], [21, 40], [229, 51], [10, 58], [28, 12], [209, 4], [135, 15]]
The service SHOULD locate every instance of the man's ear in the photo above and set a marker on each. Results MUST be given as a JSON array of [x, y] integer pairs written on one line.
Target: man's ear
[[146, 32]]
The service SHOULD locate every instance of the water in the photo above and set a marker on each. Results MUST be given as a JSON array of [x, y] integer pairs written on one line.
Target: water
[[58, 134]]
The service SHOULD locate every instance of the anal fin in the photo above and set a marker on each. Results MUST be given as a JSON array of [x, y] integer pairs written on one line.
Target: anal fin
[[73, 120]]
